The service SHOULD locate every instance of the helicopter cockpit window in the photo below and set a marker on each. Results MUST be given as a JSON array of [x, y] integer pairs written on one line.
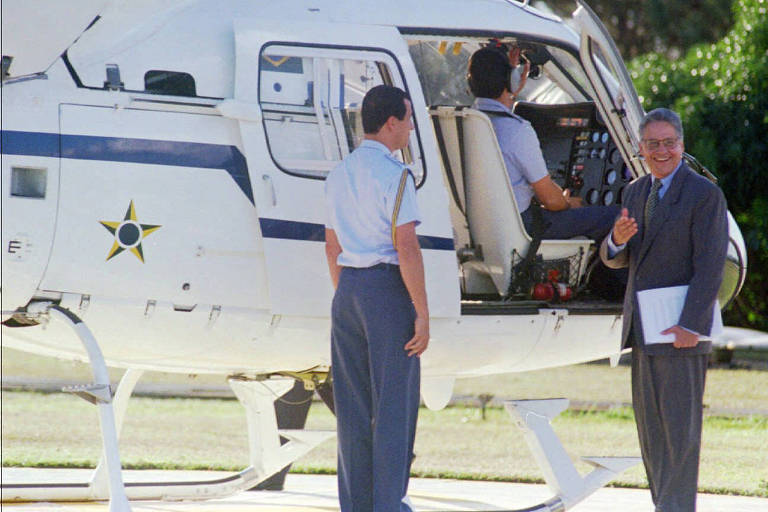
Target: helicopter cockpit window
[[172, 83], [442, 70], [555, 79], [311, 100]]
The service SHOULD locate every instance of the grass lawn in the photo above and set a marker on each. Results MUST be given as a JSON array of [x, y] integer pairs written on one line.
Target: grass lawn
[[59, 429], [727, 391]]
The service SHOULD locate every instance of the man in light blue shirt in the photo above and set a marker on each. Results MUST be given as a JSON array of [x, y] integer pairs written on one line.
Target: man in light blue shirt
[[563, 217], [361, 194], [379, 316], [520, 149]]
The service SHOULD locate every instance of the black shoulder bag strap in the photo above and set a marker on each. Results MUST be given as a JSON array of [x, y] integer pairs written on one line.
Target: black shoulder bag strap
[[462, 160], [538, 231], [523, 271], [447, 164]]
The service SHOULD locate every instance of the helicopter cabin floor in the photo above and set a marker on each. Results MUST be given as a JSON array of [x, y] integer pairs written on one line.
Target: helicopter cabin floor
[[478, 306]]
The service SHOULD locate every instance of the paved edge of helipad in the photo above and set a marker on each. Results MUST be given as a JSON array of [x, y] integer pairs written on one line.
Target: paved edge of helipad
[[313, 493]]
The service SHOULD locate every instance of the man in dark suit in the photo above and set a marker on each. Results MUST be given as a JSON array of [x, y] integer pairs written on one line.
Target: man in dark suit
[[673, 230]]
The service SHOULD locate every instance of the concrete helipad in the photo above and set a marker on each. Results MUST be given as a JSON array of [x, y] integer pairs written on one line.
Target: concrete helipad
[[313, 493]]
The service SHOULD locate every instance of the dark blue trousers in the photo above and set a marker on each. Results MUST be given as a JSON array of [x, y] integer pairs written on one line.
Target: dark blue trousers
[[375, 388], [594, 222]]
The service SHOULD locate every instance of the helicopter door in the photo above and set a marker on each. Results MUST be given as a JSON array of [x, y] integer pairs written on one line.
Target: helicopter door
[[616, 95], [298, 90], [153, 205]]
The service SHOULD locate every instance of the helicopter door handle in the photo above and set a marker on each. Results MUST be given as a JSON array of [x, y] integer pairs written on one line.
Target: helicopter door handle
[[268, 181]]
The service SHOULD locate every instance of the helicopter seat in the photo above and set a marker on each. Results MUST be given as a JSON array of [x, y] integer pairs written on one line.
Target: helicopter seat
[[490, 220]]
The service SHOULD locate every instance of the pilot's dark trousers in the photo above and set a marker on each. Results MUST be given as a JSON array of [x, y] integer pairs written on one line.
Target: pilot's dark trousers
[[593, 222], [375, 387], [667, 395]]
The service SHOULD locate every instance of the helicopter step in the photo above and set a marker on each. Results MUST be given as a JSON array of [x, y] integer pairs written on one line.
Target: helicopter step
[[534, 418], [93, 393]]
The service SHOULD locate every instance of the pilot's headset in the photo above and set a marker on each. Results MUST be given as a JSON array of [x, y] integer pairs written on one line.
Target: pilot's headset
[[486, 66]]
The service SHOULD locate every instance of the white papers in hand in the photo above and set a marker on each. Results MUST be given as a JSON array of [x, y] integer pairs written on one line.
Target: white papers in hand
[[660, 309]]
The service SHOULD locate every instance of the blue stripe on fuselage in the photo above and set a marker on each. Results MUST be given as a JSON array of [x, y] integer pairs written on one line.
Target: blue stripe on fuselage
[[183, 154], [310, 232], [292, 230], [140, 151], [30, 143]]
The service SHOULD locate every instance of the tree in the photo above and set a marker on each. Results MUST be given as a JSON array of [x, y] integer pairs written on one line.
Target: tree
[[665, 26], [719, 90]]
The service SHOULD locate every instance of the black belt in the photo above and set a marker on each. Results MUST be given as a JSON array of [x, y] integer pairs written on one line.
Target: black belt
[[378, 266]]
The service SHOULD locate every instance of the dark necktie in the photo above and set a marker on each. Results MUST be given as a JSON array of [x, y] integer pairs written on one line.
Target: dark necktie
[[652, 202]]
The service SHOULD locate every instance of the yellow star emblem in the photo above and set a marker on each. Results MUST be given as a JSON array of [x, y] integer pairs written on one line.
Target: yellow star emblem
[[128, 234]]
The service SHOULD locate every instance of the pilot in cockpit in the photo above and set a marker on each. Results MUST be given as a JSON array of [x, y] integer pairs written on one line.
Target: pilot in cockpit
[[561, 216]]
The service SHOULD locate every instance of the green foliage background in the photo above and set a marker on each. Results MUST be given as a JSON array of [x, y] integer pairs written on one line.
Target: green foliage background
[[721, 91], [666, 26]]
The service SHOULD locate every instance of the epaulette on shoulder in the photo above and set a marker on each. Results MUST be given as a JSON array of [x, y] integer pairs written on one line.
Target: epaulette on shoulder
[[400, 165], [410, 172]]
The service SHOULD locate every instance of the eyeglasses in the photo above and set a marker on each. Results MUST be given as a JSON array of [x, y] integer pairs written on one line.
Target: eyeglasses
[[654, 144]]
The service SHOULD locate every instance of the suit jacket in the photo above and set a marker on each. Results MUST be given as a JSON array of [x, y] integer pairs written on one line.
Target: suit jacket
[[685, 244]]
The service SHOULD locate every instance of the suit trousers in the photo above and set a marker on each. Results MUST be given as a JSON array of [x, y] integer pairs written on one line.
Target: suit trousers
[[375, 386], [667, 396]]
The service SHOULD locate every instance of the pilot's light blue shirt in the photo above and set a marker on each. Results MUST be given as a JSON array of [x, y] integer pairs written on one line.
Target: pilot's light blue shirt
[[520, 148], [360, 195], [614, 249]]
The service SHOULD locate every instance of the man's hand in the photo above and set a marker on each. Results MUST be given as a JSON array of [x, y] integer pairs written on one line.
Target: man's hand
[[514, 60], [418, 344], [514, 56], [573, 202], [552, 197], [683, 337], [624, 228], [412, 270], [332, 251]]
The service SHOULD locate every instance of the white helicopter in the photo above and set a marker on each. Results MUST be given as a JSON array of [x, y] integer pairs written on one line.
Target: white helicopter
[[162, 209]]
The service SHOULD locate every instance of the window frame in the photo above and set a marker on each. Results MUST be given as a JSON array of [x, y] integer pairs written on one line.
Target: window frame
[[18, 175], [164, 93], [340, 52]]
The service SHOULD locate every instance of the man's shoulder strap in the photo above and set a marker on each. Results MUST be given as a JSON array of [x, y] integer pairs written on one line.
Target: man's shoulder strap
[[500, 113], [398, 201]]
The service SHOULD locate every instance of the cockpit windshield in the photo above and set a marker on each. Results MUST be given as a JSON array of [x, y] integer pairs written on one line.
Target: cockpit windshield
[[555, 77]]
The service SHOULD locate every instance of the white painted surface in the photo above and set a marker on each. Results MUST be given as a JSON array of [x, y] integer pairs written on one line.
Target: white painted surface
[[36, 33], [250, 308]]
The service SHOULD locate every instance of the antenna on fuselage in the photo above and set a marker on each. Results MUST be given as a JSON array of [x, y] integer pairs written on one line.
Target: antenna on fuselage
[[6, 66], [113, 83]]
